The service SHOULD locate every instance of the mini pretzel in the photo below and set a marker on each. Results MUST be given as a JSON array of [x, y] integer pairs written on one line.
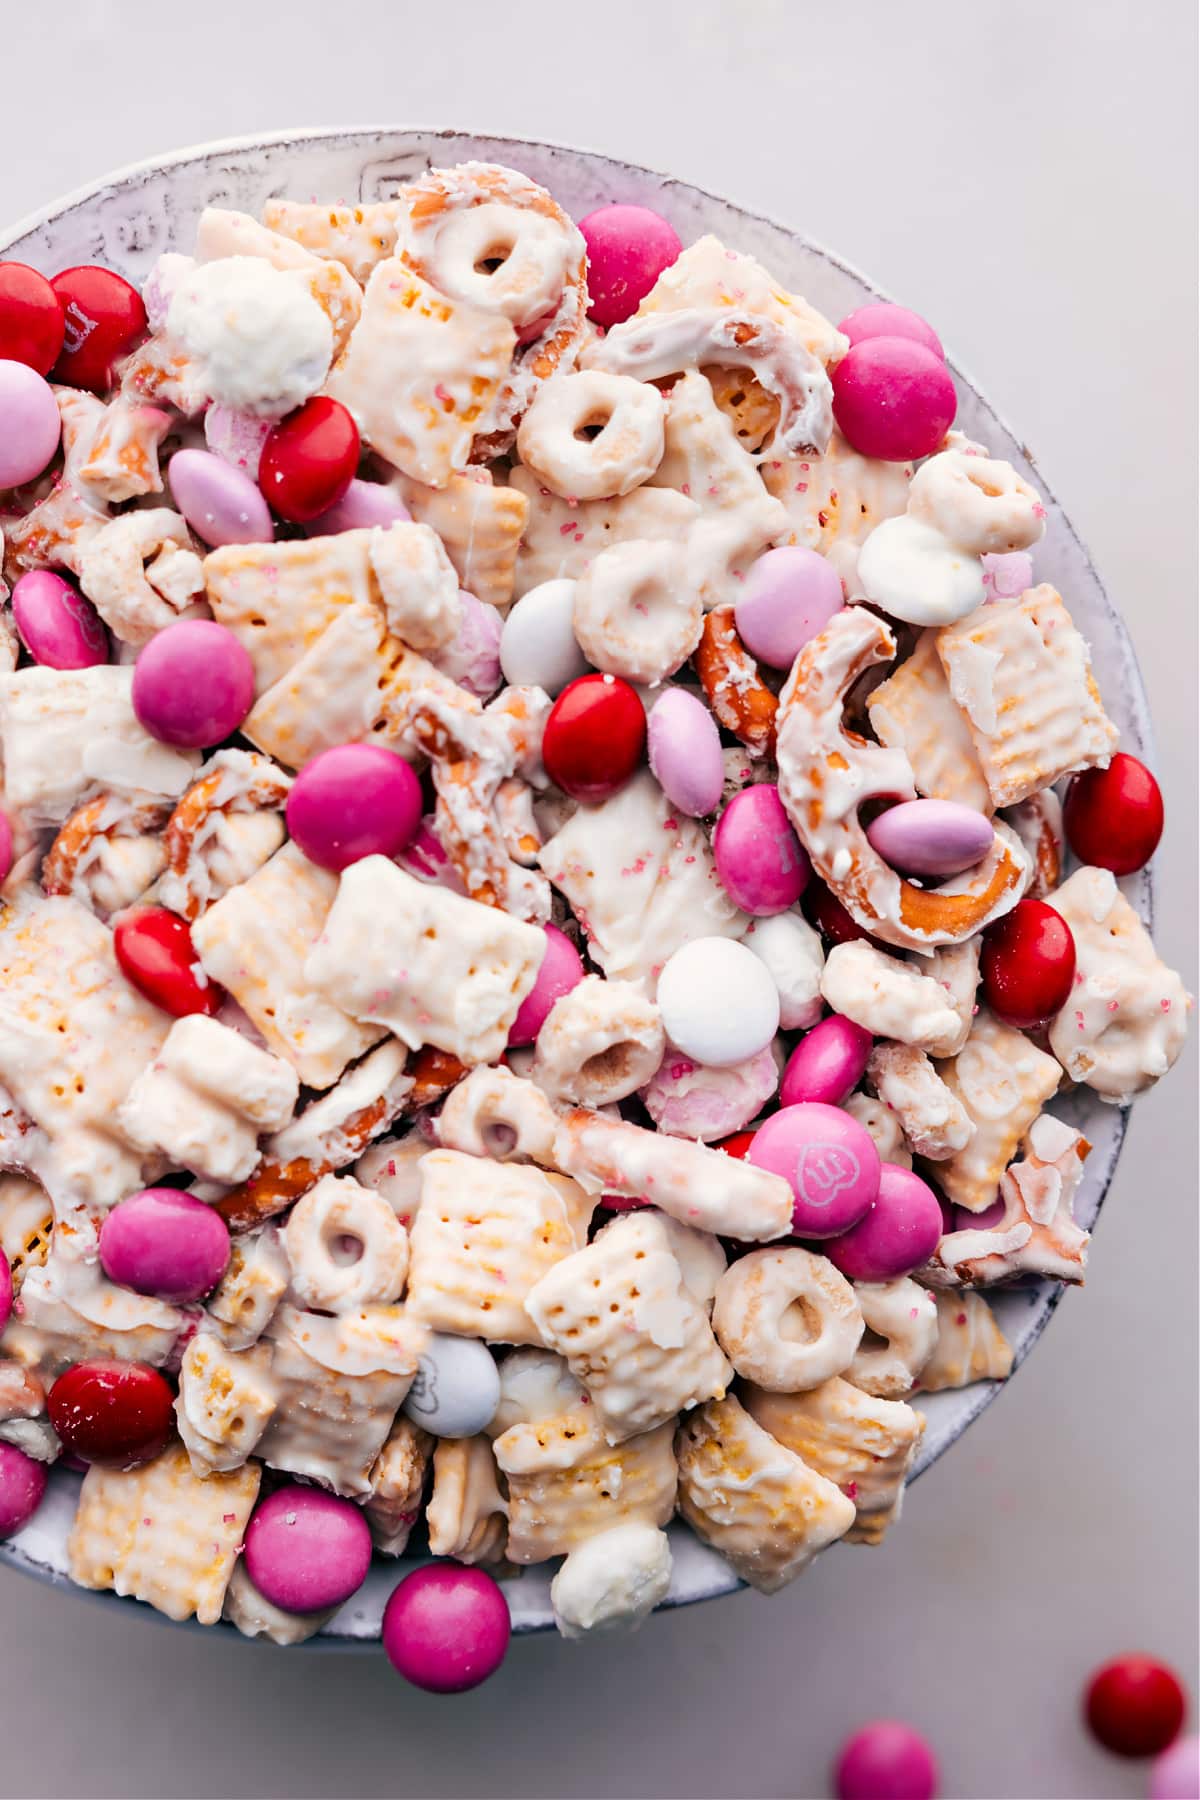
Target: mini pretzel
[[1038, 822], [970, 1345], [654, 345], [494, 1113], [111, 451], [517, 820], [133, 600], [978, 503], [1037, 1233], [55, 533], [590, 435], [397, 1483], [326, 1226], [467, 1515], [826, 773], [634, 617], [786, 1319], [81, 844], [934, 1121], [736, 691], [233, 782], [905, 1316]]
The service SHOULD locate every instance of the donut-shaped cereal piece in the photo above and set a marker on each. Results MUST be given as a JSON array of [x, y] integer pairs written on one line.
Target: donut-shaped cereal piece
[[493, 1113], [905, 1315], [346, 1246], [601, 1042], [592, 436], [978, 503], [786, 1319], [736, 691], [633, 615], [506, 258]]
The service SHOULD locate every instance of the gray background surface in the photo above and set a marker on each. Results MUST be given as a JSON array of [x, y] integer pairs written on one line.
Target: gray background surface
[[1025, 176]]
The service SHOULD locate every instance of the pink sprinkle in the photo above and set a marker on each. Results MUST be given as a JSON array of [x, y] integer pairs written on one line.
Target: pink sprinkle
[[567, 529], [228, 1518], [960, 1319], [685, 487], [440, 393], [1039, 511], [802, 487], [913, 1312], [1114, 1006], [1165, 1004], [851, 1490]]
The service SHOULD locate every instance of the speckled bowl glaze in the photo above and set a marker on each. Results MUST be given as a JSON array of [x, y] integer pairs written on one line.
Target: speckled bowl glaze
[[130, 218]]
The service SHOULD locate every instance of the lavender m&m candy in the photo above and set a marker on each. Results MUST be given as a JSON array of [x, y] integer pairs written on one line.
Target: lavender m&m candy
[[898, 1233], [58, 627], [628, 248], [165, 1243], [22, 1485], [307, 1550], [684, 750], [363, 505], [762, 864], [446, 1628], [883, 318], [931, 837], [220, 502], [30, 426], [830, 1161], [827, 1064], [788, 597], [561, 970], [353, 801], [193, 684]]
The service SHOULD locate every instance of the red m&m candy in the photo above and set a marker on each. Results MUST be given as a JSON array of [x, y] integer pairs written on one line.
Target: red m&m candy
[[103, 317], [1113, 817], [1028, 964], [595, 737], [115, 1413], [1135, 1705], [155, 950], [31, 318], [309, 460]]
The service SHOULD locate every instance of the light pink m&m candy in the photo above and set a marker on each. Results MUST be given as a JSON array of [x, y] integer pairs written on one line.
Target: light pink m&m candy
[[307, 1550], [30, 426], [882, 318], [561, 970], [446, 1628], [363, 505], [472, 658], [683, 746], [193, 684], [165, 1243], [762, 864], [788, 597], [1175, 1775], [827, 1064], [886, 1760], [1007, 573], [58, 627], [896, 1235], [220, 503], [22, 1486], [931, 837], [236, 437], [893, 399], [830, 1161], [694, 1100], [628, 248], [353, 801]]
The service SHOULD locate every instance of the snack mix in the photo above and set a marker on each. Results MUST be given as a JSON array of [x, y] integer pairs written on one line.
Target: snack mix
[[537, 948]]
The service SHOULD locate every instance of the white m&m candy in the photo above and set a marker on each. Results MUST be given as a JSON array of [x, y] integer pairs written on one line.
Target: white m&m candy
[[457, 1387], [537, 645], [719, 1003]]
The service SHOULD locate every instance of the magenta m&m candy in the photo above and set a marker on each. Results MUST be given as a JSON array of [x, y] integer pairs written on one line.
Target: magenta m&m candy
[[827, 1064], [896, 1234], [788, 597], [165, 1243], [31, 318], [761, 862], [6, 1291], [829, 1160], [363, 505], [883, 318], [628, 248], [22, 1487], [353, 801], [561, 970], [446, 1628], [220, 503], [30, 426], [931, 837], [893, 399], [58, 627], [103, 317], [193, 684], [683, 746], [306, 1550], [886, 1760]]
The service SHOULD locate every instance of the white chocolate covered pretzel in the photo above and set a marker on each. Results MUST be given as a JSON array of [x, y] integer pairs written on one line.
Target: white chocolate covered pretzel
[[107, 853], [905, 1317], [970, 1344], [140, 572], [889, 997], [1002, 1081], [223, 828], [934, 1121], [397, 1484], [1036, 1233]]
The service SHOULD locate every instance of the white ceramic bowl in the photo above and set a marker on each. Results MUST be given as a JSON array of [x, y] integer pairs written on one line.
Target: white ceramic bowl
[[130, 218]]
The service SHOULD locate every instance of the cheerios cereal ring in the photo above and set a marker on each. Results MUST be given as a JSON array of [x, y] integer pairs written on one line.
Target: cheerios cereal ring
[[736, 691], [979, 503], [323, 1276], [627, 417], [754, 1298], [633, 616]]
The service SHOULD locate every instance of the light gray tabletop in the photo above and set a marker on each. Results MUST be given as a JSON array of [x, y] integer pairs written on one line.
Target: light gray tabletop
[[1023, 175]]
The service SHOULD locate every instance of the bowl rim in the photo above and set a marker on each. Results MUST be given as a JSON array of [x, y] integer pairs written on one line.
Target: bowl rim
[[126, 175]]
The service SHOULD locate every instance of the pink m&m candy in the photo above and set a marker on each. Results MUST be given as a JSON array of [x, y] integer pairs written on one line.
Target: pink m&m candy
[[22, 1485], [307, 1550], [628, 248], [236, 437], [446, 1628], [58, 627], [473, 657], [363, 505], [30, 426], [886, 1760], [893, 399], [6, 846], [762, 864], [1175, 1774], [193, 684], [353, 801], [165, 1243], [931, 837], [220, 503], [788, 597], [694, 1100], [896, 1235], [882, 318], [683, 746], [6, 1291], [561, 970], [830, 1161], [827, 1064]]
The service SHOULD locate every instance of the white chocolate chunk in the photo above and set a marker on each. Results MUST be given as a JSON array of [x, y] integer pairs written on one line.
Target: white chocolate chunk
[[888, 997]]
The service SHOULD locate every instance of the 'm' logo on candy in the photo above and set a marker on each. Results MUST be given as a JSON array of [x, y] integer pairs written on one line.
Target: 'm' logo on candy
[[822, 1171], [79, 327], [422, 1395]]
